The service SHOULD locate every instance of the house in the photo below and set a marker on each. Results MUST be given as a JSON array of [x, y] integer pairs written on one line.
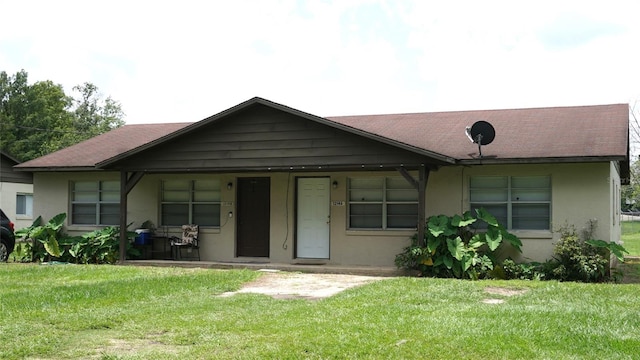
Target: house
[[270, 183], [16, 192]]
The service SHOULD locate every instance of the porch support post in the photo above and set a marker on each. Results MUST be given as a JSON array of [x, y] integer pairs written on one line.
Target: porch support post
[[421, 186], [126, 184], [423, 174]]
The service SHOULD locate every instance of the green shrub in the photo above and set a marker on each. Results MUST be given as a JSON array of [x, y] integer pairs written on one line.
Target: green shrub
[[522, 271], [99, 246], [451, 248], [582, 258], [47, 242], [41, 240], [577, 260]]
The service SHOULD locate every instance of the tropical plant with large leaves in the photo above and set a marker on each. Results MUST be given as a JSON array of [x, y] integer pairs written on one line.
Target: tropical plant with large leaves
[[49, 234], [100, 246], [453, 248]]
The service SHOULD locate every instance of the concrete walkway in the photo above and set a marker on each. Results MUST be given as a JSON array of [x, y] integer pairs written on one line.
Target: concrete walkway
[[304, 268]]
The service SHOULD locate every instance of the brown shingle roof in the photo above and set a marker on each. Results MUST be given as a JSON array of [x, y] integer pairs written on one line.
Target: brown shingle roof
[[599, 131], [559, 132], [102, 147]]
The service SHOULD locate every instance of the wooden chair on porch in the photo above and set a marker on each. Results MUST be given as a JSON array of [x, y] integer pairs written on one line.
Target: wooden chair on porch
[[188, 241]]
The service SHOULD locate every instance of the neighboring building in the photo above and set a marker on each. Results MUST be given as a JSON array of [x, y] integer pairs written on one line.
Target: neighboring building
[[16, 192], [269, 183]]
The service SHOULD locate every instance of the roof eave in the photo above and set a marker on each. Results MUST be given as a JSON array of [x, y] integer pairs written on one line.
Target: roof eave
[[541, 160], [56, 168]]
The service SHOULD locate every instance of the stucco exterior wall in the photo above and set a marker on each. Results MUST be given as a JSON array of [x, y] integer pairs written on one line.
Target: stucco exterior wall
[[8, 193], [615, 204], [51, 195], [579, 192]]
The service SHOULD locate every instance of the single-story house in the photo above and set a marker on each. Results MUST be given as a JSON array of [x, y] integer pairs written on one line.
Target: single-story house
[[16, 192], [269, 183]]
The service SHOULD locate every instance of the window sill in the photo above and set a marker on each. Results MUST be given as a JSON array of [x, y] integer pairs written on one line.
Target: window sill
[[178, 229], [388, 232], [533, 234]]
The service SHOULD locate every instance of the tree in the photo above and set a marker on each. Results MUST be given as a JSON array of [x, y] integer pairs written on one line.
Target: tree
[[92, 115], [630, 194], [33, 116], [40, 118]]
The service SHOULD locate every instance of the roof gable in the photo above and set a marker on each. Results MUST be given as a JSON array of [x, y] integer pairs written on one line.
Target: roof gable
[[7, 173], [257, 101], [259, 136]]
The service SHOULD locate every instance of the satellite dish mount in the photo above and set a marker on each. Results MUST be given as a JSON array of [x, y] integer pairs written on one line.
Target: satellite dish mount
[[481, 133]]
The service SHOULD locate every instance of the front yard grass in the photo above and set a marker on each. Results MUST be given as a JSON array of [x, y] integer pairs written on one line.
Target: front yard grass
[[125, 312], [631, 237]]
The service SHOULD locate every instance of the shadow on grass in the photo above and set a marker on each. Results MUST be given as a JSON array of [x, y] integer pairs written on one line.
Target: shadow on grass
[[630, 270]]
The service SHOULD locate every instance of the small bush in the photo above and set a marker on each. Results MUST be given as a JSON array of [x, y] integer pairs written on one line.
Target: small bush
[[576, 258], [523, 271]]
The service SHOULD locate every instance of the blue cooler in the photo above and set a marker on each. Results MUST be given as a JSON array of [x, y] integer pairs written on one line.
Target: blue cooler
[[143, 237]]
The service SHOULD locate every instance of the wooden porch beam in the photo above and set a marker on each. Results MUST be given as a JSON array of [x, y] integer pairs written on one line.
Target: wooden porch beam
[[405, 174], [133, 180], [423, 174], [421, 186], [126, 185]]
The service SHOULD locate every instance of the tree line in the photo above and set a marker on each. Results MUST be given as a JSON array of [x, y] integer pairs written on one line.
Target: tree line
[[40, 118]]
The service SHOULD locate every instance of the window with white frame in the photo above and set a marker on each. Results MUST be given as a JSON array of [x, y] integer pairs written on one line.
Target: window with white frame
[[517, 202], [382, 203], [24, 205], [95, 202], [190, 202]]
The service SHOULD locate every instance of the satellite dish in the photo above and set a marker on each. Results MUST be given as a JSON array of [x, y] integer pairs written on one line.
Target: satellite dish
[[481, 133]]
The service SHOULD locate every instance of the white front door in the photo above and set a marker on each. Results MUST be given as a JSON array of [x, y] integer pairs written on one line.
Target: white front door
[[313, 221]]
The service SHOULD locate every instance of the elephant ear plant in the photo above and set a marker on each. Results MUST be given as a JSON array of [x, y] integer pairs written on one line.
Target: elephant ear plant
[[47, 234], [96, 247], [452, 248], [100, 246]]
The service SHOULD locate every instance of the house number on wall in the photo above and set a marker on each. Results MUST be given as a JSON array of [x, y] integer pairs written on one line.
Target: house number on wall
[[337, 203]]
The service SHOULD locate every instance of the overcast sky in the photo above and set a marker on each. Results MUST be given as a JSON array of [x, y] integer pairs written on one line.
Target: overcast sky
[[176, 61]]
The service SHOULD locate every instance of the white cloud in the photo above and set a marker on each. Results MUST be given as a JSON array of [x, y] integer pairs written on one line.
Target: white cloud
[[182, 61]]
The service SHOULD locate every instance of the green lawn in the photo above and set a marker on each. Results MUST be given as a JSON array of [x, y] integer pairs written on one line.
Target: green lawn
[[125, 312], [631, 237]]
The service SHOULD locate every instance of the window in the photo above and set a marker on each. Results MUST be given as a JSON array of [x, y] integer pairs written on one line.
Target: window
[[190, 202], [517, 202], [24, 205], [95, 203], [382, 203]]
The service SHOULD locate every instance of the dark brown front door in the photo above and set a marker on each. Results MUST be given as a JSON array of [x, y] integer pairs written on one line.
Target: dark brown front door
[[253, 217]]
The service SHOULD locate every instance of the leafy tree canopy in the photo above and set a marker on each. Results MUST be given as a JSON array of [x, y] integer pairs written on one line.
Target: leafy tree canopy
[[40, 118], [630, 196]]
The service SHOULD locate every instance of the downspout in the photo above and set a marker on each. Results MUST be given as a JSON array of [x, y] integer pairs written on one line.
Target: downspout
[[126, 184]]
